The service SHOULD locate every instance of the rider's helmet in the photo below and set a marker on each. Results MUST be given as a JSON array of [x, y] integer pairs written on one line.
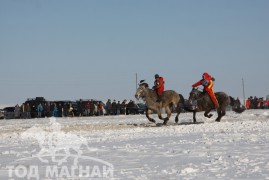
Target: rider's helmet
[[206, 76], [157, 76]]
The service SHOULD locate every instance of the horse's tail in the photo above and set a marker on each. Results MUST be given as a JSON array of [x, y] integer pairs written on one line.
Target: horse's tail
[[236, 105], [182, 101]]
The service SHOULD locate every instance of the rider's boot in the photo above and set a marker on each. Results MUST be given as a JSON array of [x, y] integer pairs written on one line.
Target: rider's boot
[[158, 98]]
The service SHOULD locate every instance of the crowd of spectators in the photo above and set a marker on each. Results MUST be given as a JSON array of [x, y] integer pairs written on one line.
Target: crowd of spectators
[[79, 108], [29, 110], [257, 103]]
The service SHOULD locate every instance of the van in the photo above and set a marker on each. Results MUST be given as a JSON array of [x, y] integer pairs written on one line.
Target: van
[[9, 112]]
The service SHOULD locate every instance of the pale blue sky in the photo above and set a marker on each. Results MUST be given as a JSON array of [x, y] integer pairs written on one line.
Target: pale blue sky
[[67, 49]]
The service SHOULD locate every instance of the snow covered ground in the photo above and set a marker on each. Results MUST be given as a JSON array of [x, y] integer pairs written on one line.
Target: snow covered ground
[[127, 147]]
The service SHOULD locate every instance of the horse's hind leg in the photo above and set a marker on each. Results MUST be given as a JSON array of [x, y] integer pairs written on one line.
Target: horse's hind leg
[[221, 113], [178, 113], [176, 118], [147, 115], [178, 110]]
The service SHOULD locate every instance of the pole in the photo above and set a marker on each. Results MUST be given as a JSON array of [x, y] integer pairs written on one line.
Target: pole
[[243, 84], [136, 83]]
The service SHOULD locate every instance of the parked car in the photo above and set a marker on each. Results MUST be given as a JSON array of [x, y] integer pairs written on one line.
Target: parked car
[[133, 108], [141, 108], [2, 114], [9, 112]]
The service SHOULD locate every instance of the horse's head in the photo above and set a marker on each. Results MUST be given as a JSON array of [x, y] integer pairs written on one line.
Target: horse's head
[[140, 92], [236, 105], [194, 95]]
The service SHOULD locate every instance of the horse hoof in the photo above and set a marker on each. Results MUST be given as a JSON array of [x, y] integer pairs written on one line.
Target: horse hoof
[[217, 120], [210, 115]]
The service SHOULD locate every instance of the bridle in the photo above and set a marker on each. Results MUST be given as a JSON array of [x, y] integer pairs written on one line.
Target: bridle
[[197, 94]]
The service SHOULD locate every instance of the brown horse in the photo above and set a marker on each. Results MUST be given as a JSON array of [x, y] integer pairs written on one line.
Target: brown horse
[[168, 98], [203, 102]]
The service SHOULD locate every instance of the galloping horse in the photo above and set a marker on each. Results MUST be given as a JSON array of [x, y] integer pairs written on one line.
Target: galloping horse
[[168, 98], [204, 103]]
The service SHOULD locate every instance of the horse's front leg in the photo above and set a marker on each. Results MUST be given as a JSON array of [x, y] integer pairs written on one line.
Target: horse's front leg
[[194, 117], [168, 112], [147, 115], [208, 115]]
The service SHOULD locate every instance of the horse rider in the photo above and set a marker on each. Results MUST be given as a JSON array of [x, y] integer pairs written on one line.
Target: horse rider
[[158, 86], [207, 81]]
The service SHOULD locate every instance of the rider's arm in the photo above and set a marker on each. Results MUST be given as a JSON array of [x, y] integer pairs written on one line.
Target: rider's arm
[[197, 84]]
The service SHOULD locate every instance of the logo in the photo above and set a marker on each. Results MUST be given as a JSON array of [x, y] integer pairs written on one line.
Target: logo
[[60, 155]]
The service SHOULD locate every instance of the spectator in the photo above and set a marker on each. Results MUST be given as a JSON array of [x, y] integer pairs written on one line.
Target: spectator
[[118, 106], [34, 111], [248, 103], [46, 110], [51, 108], [55, 110], [92, 109], [261, 103], [28, 111], [108, 107], [88, 108], [114, 108], [60, 110], [251, 102], [17, 112], [123, 107], [23, 111], [255, 102], [130, 108], [70, 110], [80, 107], [65, 110], [267, 104], [100, 109], [39, 110]]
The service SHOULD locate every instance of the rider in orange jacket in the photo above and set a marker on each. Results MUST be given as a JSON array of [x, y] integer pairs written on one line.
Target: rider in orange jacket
[[159, 86], [208, 83]]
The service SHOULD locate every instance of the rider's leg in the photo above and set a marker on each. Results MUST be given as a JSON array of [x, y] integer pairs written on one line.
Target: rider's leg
[[159, 95], [213, 97]]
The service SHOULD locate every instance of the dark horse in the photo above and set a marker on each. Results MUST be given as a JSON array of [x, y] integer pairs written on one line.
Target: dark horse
[[168, 98], [204, 103]]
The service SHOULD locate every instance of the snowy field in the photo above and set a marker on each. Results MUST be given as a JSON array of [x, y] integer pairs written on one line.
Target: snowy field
[[128, 147]]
